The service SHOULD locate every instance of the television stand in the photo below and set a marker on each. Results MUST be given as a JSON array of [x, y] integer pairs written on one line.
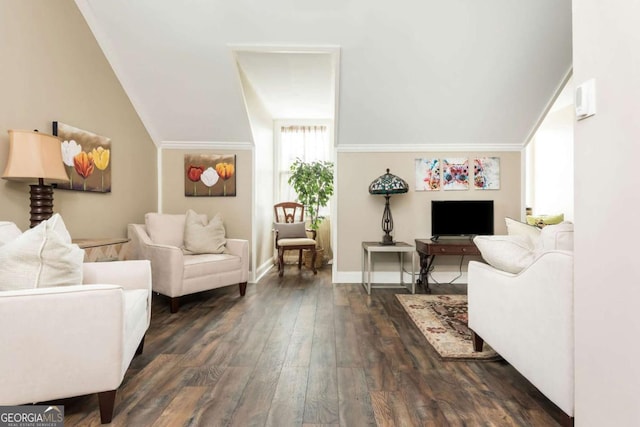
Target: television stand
[[428, 249]]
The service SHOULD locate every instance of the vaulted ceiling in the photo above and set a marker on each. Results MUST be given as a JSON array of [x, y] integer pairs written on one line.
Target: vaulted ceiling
[[410, 72]]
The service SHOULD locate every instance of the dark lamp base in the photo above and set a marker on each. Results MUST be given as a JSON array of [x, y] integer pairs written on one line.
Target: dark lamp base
[[387, 240], [41, 203]]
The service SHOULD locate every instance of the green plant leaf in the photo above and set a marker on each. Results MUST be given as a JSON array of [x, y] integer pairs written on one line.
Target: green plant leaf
[[313, 184]]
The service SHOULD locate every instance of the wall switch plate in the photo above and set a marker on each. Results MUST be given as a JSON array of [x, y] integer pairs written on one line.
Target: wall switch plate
[[586, 99]]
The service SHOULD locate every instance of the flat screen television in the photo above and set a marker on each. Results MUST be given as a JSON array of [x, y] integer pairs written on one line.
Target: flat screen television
[[461, 217]]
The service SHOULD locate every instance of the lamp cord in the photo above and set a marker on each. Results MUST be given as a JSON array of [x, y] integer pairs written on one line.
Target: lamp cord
[[434, 281]]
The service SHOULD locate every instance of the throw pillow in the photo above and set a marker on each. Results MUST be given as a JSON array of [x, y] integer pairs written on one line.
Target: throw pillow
[[543, 220], [507, 253], [201, 237], [517, 228], [293, 230], [557, 237], [8, 232], [41, 257]]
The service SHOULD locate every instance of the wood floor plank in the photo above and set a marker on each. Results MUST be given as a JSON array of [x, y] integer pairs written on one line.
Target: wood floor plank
[[321, 399], [287, 406], [354, 399], [181, 408]]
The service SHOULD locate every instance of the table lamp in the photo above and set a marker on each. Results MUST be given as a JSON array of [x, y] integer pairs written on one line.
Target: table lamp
[[36, 156], [386, 185]]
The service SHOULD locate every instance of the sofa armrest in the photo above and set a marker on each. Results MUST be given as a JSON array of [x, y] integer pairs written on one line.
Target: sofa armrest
[[167, 262], [63, 341], [240, 247], [127, 274]]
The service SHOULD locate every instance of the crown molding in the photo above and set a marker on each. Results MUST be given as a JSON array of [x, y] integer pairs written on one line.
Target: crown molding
[[205, 145], [410, 148]]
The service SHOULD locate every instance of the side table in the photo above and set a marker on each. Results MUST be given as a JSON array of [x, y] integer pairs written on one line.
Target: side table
[[104, 249], [400, 248]]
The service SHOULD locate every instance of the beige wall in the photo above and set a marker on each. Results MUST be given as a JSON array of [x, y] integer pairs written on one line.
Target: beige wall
[[360, 214], [53, 69], [236, 211]]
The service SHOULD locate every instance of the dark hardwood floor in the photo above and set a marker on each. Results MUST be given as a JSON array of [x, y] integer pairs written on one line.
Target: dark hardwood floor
[[299, 351]]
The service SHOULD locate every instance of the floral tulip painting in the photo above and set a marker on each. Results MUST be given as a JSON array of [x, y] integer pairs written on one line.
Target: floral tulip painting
[[209, 175], [86, 157]]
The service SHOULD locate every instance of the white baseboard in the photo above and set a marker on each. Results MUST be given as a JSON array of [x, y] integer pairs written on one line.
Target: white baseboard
[[262, 270]]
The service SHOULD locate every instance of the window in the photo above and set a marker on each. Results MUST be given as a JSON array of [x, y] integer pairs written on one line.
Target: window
[[309, 143]]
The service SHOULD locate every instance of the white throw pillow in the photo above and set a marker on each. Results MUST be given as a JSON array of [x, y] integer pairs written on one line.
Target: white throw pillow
[[507, 253], [203, 238], [8, 232], [41, 257], [557, 236], [517, 228]]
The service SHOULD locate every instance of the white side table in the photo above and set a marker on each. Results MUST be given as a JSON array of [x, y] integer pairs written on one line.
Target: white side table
[[400, 248]]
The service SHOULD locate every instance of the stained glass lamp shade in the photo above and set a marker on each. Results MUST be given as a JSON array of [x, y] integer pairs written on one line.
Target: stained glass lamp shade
[[386, 185]]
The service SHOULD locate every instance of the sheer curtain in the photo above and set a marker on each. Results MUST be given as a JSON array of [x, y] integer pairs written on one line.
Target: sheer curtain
[[310, 143]]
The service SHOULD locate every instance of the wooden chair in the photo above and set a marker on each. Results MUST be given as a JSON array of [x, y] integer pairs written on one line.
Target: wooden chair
[[290, 234]]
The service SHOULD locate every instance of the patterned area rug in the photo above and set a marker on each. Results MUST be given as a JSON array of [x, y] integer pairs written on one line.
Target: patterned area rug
[[442, 319]]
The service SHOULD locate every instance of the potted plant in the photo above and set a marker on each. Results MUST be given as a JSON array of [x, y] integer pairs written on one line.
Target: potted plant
[[313, 183]]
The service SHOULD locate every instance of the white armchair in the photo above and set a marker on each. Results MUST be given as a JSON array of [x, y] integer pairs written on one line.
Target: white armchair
[[74, 340], [175, 273], [527, 317]]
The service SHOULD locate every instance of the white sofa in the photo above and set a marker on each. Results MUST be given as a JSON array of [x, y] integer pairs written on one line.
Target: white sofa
[[160, 240], [66, 341], [527, 317]]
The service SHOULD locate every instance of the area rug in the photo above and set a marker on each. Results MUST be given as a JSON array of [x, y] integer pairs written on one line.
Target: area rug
[[442, 319]]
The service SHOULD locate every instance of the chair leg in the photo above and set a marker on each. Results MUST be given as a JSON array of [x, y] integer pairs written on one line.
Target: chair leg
[[280, 261], [140, 346], [478, 342], [313, 260], [243, 288], [175, 304], [106, 401], [300, 259]]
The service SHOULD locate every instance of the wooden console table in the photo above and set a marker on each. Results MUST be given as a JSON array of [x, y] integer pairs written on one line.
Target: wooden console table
[[105, 249], [428, 250]]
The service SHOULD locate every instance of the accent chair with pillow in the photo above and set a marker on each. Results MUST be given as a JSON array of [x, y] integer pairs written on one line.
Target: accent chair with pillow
[[291, 234], [189, 254], [521, 303], [69, 328]]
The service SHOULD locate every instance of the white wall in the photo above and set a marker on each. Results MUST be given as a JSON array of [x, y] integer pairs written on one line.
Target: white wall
[[607, 277], [262, 130], [550, 165]]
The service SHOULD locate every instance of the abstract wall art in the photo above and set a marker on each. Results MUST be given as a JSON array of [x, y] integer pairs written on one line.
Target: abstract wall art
[[486, 173], [455, 173], [427, 174]]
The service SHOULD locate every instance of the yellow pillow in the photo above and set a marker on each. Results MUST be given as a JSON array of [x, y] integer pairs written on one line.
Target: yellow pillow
[[542, 220]]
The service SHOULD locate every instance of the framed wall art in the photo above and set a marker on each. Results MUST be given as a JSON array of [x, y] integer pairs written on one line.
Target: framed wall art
[[86, 157], [486, 173], [455, 173], [427, 175], [209, 175]]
